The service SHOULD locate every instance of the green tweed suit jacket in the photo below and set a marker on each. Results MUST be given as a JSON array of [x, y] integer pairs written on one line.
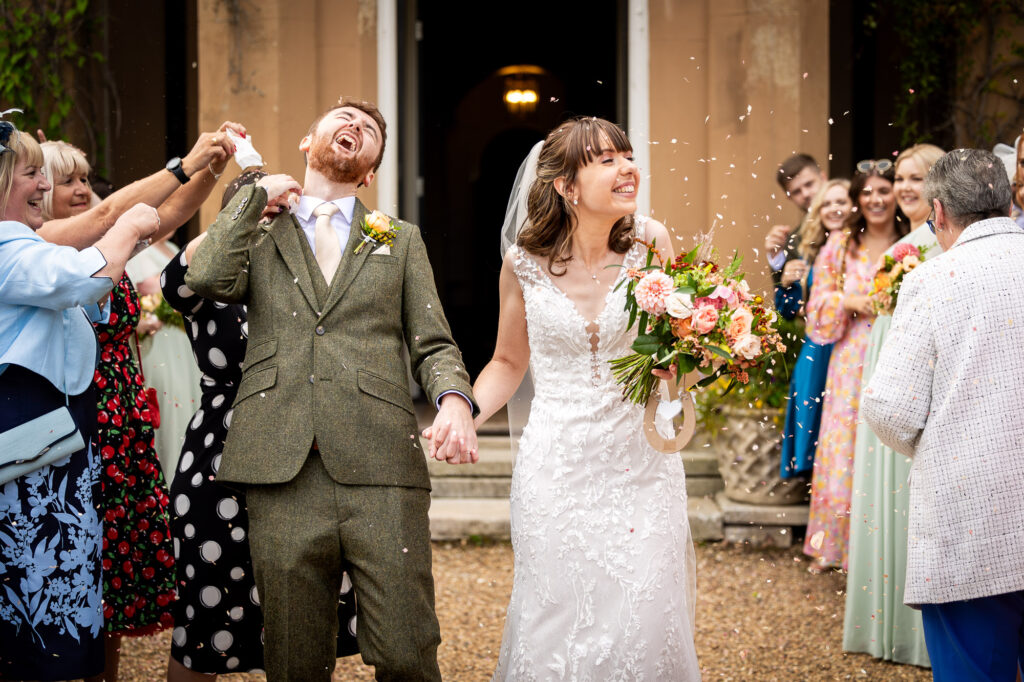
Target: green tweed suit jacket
[[326, 363]]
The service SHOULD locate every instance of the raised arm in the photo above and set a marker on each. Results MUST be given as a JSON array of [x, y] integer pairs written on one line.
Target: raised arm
[[219, 268], [84, 229], [503, 374], [35, 272], [827, 318]]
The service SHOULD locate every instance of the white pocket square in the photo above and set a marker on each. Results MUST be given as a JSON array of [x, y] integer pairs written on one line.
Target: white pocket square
[[384, 250]]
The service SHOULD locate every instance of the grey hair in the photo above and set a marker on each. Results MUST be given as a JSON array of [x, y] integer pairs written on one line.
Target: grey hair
[[971, 185]]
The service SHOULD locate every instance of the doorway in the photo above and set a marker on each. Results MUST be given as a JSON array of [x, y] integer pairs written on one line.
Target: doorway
[[466, 139]]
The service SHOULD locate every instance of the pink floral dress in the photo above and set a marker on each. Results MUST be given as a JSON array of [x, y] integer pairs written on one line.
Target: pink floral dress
[[838, 272]]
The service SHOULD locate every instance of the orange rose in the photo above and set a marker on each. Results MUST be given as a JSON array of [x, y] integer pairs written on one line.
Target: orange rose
[[680, 328], [379, 222]]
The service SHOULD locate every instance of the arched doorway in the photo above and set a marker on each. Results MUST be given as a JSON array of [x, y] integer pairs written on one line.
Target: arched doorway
[[471, 140]]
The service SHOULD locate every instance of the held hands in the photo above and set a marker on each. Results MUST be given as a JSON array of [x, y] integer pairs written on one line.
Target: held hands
[[858, 305], [281, 190], [666, 374], [793, 271], [212, 149], [776, 238], [452, 435], [139, 221]]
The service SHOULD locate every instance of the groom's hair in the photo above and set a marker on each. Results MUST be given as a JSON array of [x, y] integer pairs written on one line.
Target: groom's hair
[[368, 108]]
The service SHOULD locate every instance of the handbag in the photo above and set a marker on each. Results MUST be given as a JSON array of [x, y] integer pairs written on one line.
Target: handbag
[[37, 443]]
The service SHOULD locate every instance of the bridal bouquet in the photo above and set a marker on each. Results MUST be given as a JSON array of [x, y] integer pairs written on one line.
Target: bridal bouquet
[[695, 315], [886, 285], [155, 305]]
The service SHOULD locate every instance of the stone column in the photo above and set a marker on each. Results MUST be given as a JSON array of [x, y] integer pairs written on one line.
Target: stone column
[[736, 87], [274, 65]]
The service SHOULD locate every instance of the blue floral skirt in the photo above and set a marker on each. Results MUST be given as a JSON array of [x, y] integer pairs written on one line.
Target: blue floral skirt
[[51, 617]]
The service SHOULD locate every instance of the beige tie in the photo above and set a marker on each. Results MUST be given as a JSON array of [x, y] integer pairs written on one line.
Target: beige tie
[[325, 241]]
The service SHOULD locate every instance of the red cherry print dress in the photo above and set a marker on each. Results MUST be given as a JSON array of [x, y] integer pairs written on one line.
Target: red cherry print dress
[[138, 555]]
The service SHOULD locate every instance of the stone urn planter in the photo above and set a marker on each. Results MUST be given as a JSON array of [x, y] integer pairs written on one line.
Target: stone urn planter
[[749, 451]]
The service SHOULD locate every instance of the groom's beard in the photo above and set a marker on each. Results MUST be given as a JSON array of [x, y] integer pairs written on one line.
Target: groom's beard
[[324, 160]]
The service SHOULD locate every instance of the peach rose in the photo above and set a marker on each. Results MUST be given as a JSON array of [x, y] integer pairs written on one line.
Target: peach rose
[[739, 323], [704, 319], [747, 346], [379, 222]]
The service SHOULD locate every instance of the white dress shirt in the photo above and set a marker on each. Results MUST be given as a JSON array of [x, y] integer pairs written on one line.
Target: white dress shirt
[[340, 221]]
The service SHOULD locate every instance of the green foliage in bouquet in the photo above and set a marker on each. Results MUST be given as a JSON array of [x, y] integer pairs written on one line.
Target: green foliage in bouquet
[[768, 386], [694, 315]]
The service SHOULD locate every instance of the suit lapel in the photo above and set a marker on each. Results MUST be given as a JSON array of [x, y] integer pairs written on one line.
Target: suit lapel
[[351, 262], [286, 232]]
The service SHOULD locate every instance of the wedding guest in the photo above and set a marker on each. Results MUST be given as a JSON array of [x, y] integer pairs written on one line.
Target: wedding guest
[[51, 622], [218, 621], [165, 356], [828, 212], [876, 621], [840, 312], [138, 556], [800, 177], [947, 391]]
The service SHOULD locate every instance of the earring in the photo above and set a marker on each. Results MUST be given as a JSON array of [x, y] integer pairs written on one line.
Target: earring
[[575, 202]]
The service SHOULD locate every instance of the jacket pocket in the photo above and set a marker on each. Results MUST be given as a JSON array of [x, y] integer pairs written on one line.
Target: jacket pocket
[[256, 382], [259, 353], [381, 388]]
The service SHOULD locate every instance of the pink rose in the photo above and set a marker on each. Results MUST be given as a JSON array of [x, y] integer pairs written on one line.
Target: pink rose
[[739, 322], [652, 291], [704, 319], [901, 251], [748, 346]]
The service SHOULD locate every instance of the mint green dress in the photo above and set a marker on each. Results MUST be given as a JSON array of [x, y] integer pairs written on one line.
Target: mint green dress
[[876, 620]]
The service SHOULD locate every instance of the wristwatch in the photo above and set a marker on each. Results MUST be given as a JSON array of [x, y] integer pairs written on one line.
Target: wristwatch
[[174, 166]]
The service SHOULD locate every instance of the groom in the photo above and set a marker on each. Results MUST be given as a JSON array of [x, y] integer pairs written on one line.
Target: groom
[[323, 434]]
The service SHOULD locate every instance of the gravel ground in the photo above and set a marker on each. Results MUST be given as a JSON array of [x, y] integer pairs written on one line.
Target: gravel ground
[[760, 616]]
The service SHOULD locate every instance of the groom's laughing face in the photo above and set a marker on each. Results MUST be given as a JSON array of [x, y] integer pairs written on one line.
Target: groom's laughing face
[[345, 146]]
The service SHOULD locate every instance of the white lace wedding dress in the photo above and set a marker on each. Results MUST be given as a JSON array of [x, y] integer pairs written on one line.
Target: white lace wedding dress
[[604, 570]]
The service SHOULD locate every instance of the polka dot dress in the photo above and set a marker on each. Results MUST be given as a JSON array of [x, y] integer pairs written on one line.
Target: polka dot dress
[[218, 622]]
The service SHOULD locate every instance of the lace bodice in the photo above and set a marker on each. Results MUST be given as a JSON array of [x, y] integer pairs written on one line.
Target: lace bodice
[[565, 348], [603, 584]]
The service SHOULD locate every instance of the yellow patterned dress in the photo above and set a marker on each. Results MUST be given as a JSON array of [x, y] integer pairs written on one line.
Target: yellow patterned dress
[[838, 272]]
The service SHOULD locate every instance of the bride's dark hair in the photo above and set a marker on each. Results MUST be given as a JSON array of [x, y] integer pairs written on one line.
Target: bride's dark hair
[[550, 217]]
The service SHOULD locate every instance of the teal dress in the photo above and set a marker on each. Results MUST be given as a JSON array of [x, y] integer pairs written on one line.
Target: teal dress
[[806, 391], [876, 621]]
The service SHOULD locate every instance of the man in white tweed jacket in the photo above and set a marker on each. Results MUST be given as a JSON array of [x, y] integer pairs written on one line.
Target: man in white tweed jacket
[[949, 392]]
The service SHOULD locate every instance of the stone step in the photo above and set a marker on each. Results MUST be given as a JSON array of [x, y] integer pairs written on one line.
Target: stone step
[[496, 460], [499, 486], [468, 517], [476, 486], [488, 518]]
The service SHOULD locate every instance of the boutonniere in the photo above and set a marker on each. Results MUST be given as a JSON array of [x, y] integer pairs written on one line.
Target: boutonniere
[[379, 229]]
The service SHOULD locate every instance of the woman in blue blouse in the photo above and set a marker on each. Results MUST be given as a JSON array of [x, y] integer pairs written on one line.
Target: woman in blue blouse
[[50, 616], [828, 211]]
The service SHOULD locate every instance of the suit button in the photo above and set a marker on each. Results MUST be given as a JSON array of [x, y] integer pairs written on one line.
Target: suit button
[[320, 331]]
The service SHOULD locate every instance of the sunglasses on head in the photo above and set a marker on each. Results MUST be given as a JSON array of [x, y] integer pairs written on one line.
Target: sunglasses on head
[[867, 165]]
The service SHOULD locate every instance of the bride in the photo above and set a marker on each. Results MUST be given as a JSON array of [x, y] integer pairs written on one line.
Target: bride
[[604, 570]]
